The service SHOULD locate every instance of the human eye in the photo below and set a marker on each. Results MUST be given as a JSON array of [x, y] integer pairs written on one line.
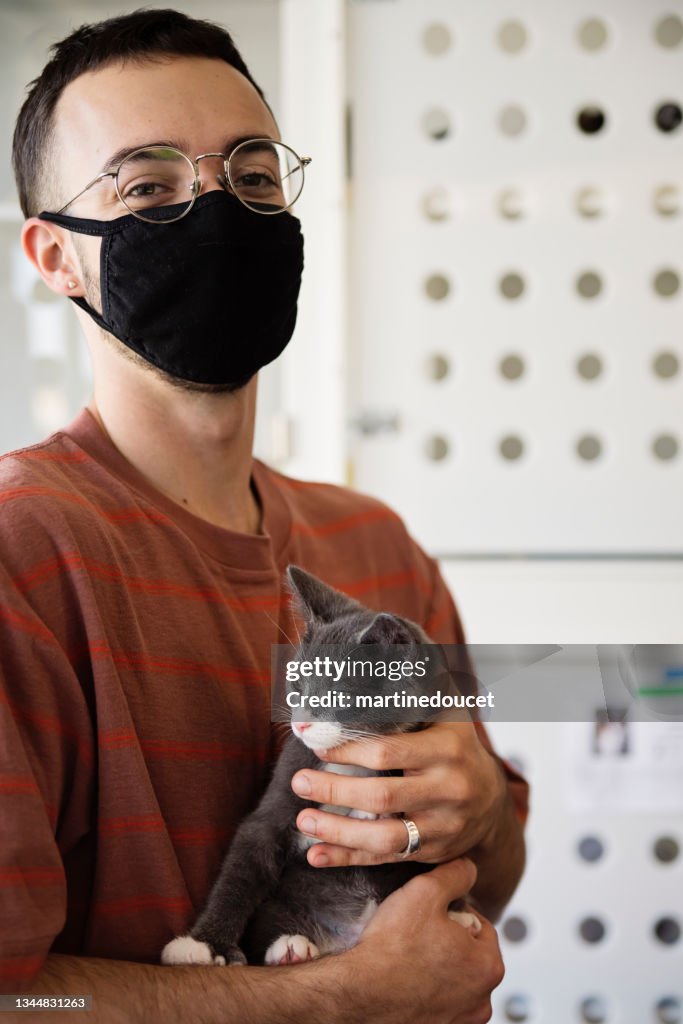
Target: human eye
[[257, 182], [155, 177], [256, 179], [145, 190]]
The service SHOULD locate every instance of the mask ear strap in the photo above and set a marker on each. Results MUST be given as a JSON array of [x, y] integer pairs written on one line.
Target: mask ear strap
[[92, 313], [84, 226]]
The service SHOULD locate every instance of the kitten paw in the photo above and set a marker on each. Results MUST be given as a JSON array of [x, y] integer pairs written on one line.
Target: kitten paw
[[291, 949], [470, 921], [186, 950]]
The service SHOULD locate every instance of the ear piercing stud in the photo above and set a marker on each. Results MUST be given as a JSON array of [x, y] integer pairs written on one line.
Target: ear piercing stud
[[71, 284]]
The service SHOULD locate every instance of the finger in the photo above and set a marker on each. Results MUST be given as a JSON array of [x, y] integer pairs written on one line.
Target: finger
[[326, 855], [385, 838], [323, 856], [382, 794], [411, 751]]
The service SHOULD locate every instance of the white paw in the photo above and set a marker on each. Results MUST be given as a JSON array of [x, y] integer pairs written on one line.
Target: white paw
[[470, 921], [291, 949], [186, 950]]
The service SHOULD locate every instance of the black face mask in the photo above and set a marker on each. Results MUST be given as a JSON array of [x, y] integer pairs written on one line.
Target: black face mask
[[210, 298]]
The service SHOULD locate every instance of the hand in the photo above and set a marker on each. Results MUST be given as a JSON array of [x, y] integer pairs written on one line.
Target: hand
[[424, 968], [452, 788]]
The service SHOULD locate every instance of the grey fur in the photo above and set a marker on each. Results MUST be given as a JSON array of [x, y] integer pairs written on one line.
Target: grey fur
[[266, 888]]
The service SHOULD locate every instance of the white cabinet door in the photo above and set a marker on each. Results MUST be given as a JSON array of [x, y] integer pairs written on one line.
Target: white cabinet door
[[516, 271]]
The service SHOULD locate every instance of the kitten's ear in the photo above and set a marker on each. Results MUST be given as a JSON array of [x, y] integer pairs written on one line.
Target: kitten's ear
[[317, 599], [387, 629]]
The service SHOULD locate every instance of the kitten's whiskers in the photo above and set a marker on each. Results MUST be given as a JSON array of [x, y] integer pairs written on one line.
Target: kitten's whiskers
[[279, 627]]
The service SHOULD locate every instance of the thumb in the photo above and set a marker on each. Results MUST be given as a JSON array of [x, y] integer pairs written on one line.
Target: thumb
[[446, 882]]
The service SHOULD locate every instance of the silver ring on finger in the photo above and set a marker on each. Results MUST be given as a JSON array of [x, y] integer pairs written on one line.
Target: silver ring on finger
[[414, 841]]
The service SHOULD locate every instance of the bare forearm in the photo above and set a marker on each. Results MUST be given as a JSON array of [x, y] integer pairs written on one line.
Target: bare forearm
[[500, 862], [130, 993]]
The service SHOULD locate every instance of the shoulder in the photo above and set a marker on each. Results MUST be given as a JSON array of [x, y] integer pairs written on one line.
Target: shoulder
[[334, 508], [42, 471], [360, 545], [44, 489], [43, 463]]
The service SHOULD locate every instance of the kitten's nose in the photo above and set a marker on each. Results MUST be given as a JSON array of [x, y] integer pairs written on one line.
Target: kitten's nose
[[300, 726]]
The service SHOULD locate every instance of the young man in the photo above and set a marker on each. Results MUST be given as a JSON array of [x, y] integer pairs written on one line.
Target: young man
[[141, 582]]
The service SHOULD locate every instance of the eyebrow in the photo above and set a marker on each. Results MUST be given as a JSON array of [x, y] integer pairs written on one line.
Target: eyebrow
[[120, 154]]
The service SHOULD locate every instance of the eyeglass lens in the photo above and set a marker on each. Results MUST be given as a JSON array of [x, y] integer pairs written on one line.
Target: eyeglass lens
[[266, 176]]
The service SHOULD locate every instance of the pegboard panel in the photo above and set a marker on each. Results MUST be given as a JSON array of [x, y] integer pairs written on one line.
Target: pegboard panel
[[517, 198], [593, 934]]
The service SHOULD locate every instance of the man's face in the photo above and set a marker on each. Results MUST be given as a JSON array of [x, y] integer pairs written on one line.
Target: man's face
[[198, 104]]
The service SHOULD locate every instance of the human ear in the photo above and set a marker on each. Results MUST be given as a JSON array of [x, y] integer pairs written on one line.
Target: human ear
[[51, 252]]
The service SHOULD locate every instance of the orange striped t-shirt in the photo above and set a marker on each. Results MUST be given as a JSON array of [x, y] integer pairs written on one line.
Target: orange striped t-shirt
[[135, 647]]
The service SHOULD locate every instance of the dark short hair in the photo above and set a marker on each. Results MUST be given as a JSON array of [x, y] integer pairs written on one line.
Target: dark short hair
[[134, 36]]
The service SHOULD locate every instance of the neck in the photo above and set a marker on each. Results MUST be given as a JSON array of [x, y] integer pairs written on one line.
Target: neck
[[195, 448]]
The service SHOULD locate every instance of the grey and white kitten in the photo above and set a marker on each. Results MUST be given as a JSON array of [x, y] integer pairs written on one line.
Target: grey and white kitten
[[268, 904]]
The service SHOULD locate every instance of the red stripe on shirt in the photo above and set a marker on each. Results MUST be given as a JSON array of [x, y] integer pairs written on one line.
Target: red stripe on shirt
[[49, 724], [181, 835], [18, 784], [131, 904], [71, 560], [41, 455], [368, 515], [122, 515], [25, 625], [136, 660], [31, 876], [109, 739], [180, 750], [74, 560], [115, 739], [203, 836], [389, 582], [133, 823], [438, 618], [177, 750], [51, 567]]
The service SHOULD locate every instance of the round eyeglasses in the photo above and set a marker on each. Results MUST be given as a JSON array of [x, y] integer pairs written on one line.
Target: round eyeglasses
[[265, 175]]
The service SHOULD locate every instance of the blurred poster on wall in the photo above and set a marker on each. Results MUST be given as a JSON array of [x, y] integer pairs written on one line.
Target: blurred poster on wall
[[619, 765]]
